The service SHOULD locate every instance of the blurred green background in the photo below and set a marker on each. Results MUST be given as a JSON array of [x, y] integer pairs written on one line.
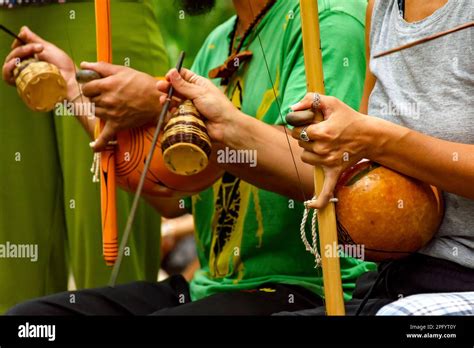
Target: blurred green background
[[188, 33]]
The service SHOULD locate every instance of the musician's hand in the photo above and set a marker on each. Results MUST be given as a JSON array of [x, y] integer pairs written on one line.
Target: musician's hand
[[335, 144], [208, 99], [125, 98], [44, 50]]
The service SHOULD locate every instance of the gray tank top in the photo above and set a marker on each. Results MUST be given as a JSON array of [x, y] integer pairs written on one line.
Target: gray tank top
[[430, 88]]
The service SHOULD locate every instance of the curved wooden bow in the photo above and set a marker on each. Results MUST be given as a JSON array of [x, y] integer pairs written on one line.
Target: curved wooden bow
[[327, 216], [107, 160]]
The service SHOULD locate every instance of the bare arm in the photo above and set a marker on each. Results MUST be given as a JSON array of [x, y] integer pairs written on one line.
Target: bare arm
[[447, 165], [412, 153], [277, 154], [174, 230], [179, 227]]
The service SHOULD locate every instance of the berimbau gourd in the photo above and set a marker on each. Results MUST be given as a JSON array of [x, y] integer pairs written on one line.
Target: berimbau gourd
[[388, 213], [392, 215]]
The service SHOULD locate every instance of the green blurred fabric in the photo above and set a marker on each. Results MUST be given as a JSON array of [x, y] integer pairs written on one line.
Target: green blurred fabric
[[184, 32], [248, 237], [47, 197]]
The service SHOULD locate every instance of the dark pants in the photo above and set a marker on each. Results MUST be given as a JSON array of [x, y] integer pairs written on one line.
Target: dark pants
[[415, 274], [170, 297]]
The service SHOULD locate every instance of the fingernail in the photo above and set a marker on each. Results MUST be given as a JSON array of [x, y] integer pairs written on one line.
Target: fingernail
[[175, 76], [38, 46], [92, 144]]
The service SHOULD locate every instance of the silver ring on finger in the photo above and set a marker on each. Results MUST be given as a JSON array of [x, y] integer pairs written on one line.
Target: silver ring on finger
[[316, 101], [304, 135]]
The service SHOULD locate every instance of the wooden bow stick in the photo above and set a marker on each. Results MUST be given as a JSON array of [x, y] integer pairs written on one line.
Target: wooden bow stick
[[327, 216], [107, 159], [425, 39]]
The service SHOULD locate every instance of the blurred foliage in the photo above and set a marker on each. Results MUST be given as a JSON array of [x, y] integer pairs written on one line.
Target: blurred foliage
[[188, 33]]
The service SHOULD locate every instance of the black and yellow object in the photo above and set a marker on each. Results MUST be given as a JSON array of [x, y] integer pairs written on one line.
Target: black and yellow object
[[40, 84], [186, 145]]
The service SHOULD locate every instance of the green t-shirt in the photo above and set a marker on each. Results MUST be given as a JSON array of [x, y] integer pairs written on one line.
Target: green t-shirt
[[247, 236]]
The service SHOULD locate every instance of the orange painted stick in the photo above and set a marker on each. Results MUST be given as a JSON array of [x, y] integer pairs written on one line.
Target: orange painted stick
[[107, 162], [326, 217]]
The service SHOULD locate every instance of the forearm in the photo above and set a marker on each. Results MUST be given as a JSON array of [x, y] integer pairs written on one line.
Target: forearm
[[275, 163], [179, 227], [447, 165]]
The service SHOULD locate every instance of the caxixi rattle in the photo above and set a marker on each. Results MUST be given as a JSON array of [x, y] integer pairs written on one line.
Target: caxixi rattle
[[182, 160], [186, 145], [39, 84]]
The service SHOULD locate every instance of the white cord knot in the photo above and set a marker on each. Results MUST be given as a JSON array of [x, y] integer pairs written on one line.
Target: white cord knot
[[313, 249], [307, 203], [95, 169]]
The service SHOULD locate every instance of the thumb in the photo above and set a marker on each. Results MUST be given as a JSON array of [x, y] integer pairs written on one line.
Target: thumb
[[327, 192], [102, 141], [102, 68], [30, 37], [184, 88]]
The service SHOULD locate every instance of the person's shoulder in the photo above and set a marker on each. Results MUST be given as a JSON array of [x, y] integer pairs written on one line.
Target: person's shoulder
[[213, 47], [353, 8], [287, 6], [222, 31]]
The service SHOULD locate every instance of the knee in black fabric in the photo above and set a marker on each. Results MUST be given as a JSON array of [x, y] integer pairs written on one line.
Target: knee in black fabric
[[137, 298], [36, 308], [180, 287]]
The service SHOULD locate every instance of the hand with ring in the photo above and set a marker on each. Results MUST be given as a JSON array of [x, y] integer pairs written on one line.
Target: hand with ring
[[304, 135], [335, 144]]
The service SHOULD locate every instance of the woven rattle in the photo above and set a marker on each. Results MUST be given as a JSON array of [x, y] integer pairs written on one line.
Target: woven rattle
[[40, 84], [186, 145]]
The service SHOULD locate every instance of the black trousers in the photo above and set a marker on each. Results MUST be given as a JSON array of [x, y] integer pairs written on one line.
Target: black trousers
[[170, 297], [415, 274]]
